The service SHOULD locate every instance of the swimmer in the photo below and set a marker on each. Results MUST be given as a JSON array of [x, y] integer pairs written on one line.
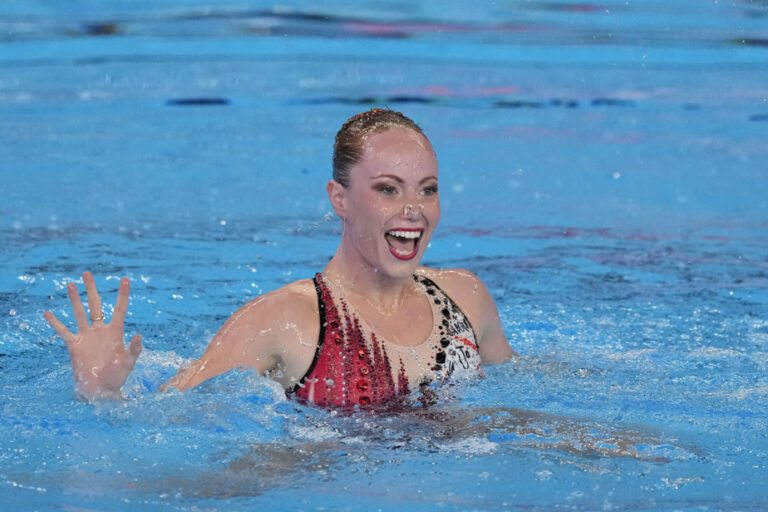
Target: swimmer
[[370, 329]]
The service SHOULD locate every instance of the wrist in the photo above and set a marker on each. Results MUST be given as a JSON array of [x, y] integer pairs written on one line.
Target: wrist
[[85, 393]]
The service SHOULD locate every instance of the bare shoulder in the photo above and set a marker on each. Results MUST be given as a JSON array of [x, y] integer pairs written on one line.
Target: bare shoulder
[[471, 295], [274, 333], [291, 309], [461, 285], [294, 299], [466, 290], [289, 317]]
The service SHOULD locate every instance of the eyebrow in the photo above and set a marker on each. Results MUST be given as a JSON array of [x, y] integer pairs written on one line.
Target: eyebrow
[[400, 180]]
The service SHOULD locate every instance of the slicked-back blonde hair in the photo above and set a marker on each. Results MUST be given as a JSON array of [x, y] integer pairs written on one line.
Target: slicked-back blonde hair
[[348, 148]]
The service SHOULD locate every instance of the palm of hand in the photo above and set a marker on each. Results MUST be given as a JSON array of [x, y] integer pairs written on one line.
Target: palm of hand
[[100, 361]]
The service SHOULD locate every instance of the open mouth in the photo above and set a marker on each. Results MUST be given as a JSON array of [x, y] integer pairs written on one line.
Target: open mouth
[[404, 243]]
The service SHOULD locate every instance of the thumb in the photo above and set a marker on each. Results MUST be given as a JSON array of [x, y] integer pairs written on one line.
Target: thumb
[[135, 347]]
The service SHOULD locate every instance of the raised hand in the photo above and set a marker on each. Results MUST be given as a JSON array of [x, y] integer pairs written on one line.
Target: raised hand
[[100, 362]]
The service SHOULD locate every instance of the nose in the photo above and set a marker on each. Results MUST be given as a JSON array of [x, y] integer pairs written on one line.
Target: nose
[[409, 210]]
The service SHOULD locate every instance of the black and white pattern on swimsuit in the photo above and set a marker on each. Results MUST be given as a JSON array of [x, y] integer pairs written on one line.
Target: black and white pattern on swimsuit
[[455, 350]]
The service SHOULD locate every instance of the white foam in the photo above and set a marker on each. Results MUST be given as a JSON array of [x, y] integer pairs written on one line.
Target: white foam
[[676, 483], [165, 358], [631, 354], [715, 353], [743, 393], [473, 445], [314, 433]]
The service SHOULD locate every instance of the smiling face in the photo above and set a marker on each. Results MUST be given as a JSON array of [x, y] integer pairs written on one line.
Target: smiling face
[[391, 205]]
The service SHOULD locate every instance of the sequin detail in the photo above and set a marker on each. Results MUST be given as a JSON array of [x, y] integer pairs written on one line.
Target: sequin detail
[[349, 370]]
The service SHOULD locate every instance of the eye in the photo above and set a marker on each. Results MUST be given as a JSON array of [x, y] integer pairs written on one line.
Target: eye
[[430, 190], [386, 189]]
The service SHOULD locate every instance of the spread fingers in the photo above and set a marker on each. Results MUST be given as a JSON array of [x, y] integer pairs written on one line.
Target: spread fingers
[[77, 307], [121, 306], [135, 347], [94, 301], [59, 327]]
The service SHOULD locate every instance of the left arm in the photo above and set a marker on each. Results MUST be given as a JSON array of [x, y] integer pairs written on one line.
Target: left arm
[[492, 343]]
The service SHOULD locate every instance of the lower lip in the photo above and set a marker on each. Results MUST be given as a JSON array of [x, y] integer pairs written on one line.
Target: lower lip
[[405, 257]]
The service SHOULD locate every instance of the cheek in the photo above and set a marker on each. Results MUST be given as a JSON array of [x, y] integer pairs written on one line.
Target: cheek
[[369, 215], [378, 210], [432, 210]]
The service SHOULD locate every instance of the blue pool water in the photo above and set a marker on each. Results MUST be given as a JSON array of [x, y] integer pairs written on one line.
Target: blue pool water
[[603, 169]]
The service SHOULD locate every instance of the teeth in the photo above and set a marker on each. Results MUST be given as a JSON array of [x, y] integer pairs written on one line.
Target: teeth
[[404, 234]]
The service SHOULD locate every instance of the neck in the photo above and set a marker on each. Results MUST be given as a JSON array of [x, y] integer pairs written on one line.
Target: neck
[[354, 278]]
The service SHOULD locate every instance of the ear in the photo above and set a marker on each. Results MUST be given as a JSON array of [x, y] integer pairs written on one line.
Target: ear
[[336, 194]]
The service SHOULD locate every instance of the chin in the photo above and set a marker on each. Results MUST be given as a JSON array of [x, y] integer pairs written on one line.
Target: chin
[[402, 271], [399, 267]]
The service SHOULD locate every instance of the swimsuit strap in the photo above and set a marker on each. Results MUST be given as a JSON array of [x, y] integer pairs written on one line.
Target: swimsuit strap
[[349, 368], [320, 338], [433, 288]]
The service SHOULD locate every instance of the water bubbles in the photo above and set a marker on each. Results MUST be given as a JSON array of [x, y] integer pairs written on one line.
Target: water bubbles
[[583, 373], [676, 483], [616, 175]]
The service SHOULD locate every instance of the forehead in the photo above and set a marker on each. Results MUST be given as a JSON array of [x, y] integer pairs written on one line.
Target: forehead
[[397, 149]]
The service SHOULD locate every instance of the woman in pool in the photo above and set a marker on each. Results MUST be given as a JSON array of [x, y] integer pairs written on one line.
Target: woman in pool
[[371, 328]]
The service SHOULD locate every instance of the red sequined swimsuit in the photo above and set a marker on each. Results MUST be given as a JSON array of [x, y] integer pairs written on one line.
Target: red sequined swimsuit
[[351, 368]]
